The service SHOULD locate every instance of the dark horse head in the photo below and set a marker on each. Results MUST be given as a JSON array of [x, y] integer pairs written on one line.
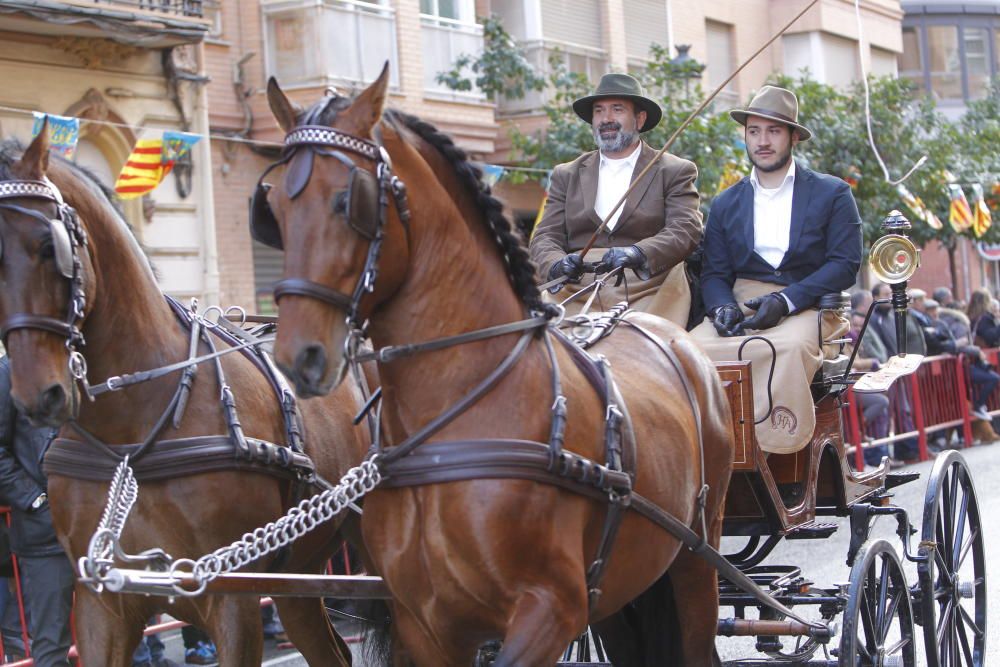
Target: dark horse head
[[37, 273]]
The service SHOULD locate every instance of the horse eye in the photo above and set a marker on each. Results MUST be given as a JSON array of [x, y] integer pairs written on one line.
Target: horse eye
[[340, 203]]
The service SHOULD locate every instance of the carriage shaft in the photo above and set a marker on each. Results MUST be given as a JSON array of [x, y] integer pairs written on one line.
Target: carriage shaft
[[749, 627], [354, 587]]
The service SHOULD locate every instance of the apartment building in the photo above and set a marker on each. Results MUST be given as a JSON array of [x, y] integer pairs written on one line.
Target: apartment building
[[122, 66], [310, 46], [951, 49]]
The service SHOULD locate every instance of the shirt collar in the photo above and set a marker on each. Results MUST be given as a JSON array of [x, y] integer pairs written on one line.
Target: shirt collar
[[789, 178], [619, 163]]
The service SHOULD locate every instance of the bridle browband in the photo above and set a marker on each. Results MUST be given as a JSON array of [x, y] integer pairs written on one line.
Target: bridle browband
[[68, 237], [330, 142]]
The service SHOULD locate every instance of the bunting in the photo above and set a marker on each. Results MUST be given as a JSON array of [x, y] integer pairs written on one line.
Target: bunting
[[64, 133], [982, 219], [150, 162]]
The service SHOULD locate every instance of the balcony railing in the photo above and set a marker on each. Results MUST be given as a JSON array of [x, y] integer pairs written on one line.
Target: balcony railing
[[193, 8], [335, 42], [444, 40], [575, 57]]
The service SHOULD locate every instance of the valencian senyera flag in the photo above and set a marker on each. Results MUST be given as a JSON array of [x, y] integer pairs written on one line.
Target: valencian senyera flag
[[64, 132], [959, 212], [150, 162], [981, 217], [916, 204]]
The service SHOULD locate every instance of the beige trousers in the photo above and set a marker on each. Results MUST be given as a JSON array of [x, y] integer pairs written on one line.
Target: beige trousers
[[799, 356], [666, 294]]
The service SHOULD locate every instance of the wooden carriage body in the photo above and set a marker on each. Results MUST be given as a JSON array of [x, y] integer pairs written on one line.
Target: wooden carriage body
[[783, 494]]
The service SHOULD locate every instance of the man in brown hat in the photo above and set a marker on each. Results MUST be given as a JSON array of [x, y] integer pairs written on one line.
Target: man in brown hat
[[650, 234], [775, 242]]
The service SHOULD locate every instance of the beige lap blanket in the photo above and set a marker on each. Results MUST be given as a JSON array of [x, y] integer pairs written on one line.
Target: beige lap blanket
[[790, 425]]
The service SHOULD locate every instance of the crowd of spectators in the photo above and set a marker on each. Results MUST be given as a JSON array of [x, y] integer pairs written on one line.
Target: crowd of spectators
[[934, 326]]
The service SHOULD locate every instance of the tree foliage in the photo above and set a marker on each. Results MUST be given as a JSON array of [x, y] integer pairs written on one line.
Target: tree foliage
[[905, 126]]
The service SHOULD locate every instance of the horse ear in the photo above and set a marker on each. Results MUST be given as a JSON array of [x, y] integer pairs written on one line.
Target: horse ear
[[367, 107], [285, 111], [35, 161]]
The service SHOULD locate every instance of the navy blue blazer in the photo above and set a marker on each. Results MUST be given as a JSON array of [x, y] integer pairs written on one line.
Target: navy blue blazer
[[824, 244]]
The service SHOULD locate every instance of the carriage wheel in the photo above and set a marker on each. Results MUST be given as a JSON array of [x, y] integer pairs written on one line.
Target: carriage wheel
[[878, 619], [952, 572]]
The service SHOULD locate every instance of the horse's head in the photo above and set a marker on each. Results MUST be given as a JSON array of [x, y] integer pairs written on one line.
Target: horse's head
[[329, 204], [43, 273]]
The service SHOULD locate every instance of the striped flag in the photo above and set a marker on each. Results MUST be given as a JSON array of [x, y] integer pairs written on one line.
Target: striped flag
[[959, 212], [916, 204], [982, 219], [150, 162]]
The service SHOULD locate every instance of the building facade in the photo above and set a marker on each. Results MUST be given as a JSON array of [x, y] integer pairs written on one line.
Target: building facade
[[122, 68]]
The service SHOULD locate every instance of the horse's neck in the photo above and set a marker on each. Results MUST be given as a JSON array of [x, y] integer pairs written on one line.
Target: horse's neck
[[130, 327], [456, 282]]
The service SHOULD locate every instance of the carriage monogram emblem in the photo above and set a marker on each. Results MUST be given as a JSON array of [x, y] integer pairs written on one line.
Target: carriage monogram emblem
[[784, 419]]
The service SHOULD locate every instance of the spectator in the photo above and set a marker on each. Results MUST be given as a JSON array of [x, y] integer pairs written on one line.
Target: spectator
[[149, 653], [945, 298], [198, 647], [871, 355], [46, 572], [983, 320], [883, 323]]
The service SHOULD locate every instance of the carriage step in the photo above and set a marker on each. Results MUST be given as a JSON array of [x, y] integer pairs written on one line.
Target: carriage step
[[812, 531], [894, 479]]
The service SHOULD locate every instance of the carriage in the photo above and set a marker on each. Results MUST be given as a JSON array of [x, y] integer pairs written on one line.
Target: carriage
[[770, 496]]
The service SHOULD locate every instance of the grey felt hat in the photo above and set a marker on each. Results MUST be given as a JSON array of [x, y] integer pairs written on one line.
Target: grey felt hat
[[776, 104]]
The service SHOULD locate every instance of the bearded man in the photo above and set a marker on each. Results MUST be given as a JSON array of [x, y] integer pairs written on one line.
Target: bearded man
[[775, 242], [650, 235]]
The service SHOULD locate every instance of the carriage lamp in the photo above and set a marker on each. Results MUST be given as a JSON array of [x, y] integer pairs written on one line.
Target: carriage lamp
[[894, 259]]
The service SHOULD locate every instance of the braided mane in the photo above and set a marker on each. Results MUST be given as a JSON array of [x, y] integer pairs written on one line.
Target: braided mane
[[520, 268]]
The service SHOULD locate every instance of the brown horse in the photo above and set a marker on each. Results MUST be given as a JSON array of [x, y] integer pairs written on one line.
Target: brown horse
[[128, 326], [476, 560]]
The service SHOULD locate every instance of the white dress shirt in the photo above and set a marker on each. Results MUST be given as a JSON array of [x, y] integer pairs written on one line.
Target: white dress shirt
[[772, 219], [613, 179]]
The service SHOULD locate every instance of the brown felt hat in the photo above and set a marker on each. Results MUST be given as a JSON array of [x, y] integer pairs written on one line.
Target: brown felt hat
[[776, 104], [624, 86]]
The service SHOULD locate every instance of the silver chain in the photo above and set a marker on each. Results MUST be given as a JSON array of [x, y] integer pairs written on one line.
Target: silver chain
[[299, 520], [122, 494]]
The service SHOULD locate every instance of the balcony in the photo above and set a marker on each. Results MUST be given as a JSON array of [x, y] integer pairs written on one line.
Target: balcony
[[340, 43], [444, 40], [575, 57], [143, 23]]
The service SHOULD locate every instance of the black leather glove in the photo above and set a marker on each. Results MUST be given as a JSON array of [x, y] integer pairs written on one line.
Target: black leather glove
[[629, 257], [728, 320], [770, 309], [570, 266]]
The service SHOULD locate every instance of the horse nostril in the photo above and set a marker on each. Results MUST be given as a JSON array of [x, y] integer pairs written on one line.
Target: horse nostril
[[52, 400], [310, 365]]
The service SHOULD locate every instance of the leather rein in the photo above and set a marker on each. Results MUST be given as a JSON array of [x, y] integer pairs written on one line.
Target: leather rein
[[416, 461]]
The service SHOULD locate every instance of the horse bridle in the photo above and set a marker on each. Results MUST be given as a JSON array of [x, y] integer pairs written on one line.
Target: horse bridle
[[365, 216], [68, 237]]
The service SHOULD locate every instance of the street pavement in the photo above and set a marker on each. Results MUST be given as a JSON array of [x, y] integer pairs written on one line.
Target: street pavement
[[823, 561]]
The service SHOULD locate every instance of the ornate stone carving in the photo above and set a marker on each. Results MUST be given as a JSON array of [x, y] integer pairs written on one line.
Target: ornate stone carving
[[94, 53]]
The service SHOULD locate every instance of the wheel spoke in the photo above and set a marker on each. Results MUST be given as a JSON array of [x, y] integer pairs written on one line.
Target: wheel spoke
[[959, 527], [868, 623], [883, 592], [944, 621], [891, 613], [973, 536], [898, 646], [969, 621], [964, 637]]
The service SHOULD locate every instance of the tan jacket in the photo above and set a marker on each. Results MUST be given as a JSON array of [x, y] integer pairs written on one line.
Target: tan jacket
[[660, 216]]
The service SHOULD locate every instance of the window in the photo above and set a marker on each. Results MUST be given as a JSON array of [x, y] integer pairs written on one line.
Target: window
[[645, 24], [944, 63], [910, 61], [721, 60], [448, 30], [977, 60]]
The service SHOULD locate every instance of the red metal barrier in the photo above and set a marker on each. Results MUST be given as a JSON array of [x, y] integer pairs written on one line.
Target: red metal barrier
[[932, 400]]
